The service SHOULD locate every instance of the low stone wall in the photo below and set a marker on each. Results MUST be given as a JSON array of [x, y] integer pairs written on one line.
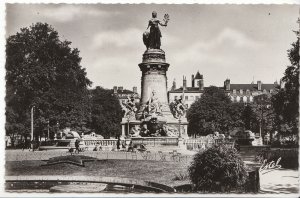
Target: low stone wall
[[48, 181]]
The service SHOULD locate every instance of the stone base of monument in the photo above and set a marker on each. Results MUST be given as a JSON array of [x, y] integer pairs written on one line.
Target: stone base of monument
[[175, 128]]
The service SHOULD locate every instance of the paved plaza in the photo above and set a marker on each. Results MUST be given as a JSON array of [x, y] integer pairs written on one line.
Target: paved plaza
[[275, 182]]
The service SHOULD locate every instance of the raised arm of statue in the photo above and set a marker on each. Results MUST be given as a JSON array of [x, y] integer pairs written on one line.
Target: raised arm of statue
[[162, 24]]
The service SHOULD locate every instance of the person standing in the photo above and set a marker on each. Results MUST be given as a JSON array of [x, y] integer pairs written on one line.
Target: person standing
[[118, 143], [77, 145]]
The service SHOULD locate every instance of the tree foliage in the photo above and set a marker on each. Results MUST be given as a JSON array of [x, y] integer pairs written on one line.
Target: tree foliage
[[286, 101], [44, 72], [216, 168], [106, 113], [214, 111]]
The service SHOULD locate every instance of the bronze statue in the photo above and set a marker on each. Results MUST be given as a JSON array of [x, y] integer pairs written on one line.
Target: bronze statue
[[152, 39], [129, 107]]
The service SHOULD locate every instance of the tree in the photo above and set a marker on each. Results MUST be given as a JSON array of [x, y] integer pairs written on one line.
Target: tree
[[214, 111], [264, 113], [286, 101], [106, 113], [44, 72], [249, 118]]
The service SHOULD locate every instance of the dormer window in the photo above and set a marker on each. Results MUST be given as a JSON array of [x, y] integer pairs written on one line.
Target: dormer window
[[234, 91], [241, 91]]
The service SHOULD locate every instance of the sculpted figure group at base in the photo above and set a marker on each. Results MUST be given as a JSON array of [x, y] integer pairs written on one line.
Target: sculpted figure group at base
[[153, 106], [178, 108], [129, 107], [152, 38]]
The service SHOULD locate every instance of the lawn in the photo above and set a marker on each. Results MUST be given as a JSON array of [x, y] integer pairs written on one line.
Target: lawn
[[155, 171]]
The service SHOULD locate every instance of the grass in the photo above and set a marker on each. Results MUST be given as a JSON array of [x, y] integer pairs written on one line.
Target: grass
[[155, 171]]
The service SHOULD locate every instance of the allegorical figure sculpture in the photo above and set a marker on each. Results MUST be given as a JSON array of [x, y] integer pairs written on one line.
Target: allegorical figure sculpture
[[153, 106], [129, 107], [152, 38], [178, 108]]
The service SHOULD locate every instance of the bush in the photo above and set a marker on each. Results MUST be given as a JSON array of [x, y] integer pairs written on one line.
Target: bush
[[217, 169]]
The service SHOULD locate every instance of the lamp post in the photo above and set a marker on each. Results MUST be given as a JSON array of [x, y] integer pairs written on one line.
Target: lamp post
[[179, 121], [127, 124], [32, 108], [48, 129]]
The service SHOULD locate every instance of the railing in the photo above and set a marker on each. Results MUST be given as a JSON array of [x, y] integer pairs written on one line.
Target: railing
[[23, 156], [100, 142], [206, 142], [199, 143], [154, 141]]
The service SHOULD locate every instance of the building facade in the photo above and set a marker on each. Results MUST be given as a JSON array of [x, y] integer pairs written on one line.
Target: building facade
[[237, 92], [124, 94], [246, 92], [189, 94]]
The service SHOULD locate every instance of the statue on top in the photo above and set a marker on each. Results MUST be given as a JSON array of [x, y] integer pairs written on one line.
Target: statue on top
[[152, 38]]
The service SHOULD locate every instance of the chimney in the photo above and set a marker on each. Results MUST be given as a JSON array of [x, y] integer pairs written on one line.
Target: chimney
[[134, 89], [227, 84], [120, 89], [259, 85], [174, 85], [184, 83], [201, 84], [193, 83], [115, 89]]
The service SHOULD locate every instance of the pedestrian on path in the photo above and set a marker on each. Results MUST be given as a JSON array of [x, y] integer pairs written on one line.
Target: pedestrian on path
[[77, 145]]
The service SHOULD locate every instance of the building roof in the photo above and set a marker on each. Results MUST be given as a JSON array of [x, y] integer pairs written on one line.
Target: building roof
[[198, 76], [124, 91], [188, 89], [251, 87]]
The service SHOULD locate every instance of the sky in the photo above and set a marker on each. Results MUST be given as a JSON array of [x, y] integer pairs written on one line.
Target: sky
[[239, 42]]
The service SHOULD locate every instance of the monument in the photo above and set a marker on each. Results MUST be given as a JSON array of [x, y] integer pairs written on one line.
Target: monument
[[153, 114]]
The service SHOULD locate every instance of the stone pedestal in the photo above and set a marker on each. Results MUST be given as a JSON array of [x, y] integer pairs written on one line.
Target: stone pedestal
[[154, 106], [154, 78]]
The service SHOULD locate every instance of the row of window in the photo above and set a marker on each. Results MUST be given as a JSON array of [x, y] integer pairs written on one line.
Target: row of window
[[242, 99], [241, 92], [187, 97]]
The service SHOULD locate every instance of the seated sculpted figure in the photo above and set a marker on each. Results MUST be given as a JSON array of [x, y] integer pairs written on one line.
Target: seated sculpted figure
[[153, 105], [135, 131]]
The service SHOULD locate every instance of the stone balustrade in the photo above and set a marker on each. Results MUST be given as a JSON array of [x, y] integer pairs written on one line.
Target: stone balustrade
[[100, 142], [154, 141]]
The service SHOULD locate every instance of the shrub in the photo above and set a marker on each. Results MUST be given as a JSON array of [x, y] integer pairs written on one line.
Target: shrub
[[217, 169]]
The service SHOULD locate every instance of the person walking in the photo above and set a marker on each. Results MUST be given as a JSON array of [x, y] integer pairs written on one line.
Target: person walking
[[77, 146], [118, 143]]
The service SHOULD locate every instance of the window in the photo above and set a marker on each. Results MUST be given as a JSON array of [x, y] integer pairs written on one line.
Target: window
[[234, 91], [248, 99], [241, 91], [186, 97], [248, 92], [192, 97]]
